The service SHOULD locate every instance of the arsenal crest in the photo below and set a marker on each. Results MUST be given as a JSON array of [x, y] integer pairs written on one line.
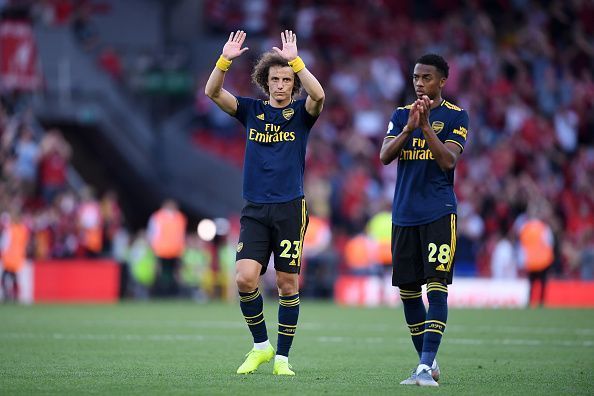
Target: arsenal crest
[[288, 113]]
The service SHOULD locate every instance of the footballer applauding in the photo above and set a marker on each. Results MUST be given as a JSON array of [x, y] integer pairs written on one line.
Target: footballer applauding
[[426, 138]]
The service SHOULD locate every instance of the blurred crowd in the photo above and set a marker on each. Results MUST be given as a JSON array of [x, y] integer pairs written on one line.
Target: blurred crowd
[[46, 215], [524, 71]]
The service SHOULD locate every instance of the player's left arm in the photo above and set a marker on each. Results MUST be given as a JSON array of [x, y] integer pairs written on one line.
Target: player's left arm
[[446, 154], [315, 93]]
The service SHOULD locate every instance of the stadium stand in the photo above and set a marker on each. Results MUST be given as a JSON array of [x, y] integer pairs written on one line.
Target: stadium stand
[[523, 70]]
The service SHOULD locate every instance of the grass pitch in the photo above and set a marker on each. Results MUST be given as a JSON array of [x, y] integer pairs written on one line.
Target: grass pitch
[[187, 348]]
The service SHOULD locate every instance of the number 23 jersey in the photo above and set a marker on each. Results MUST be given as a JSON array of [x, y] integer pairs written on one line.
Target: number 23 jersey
[[276, 140]]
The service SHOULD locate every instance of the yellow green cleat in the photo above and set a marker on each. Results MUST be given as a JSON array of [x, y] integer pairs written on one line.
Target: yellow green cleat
[[282, 368], [254, 359]]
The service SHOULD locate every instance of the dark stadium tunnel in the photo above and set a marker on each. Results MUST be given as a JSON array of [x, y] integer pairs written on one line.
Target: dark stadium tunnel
[[102, 166]]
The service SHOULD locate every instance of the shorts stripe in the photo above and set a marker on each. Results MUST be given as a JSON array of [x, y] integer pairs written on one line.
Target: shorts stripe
[[302, 232], [452, 241]]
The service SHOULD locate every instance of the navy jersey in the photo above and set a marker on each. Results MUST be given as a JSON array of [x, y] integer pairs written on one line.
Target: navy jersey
[[424, 192], [275, 150]]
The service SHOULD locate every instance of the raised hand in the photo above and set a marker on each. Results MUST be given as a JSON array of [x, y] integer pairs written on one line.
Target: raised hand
[[232, 48], [289, 40]]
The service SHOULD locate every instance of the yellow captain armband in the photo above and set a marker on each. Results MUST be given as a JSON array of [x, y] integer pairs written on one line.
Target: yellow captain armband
[[297, 64], [223, 63]]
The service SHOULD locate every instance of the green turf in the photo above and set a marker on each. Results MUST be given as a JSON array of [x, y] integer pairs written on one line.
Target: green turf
[[186, 348]]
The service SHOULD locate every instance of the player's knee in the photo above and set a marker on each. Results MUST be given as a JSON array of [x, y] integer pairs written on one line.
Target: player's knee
[[245, 283], [287, 286], [288, 290]]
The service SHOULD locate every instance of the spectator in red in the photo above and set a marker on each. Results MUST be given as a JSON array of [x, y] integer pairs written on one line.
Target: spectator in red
[[55, 157], [62, 220], [110, 62]]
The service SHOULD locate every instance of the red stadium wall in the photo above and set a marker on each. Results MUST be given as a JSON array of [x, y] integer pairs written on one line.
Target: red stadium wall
[[468, 292], [570, 294], [76, 281]]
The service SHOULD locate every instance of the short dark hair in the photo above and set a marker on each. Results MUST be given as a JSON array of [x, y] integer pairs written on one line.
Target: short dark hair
[[435, 60], [262, 67]]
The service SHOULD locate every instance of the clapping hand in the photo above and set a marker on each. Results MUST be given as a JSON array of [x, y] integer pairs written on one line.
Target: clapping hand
[[424, 106]]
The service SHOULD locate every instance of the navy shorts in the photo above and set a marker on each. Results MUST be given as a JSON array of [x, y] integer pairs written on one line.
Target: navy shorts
[[277, 228], [424, 251]]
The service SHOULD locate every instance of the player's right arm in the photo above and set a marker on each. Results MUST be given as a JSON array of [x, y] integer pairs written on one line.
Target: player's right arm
[[393, 144], [214, 86]]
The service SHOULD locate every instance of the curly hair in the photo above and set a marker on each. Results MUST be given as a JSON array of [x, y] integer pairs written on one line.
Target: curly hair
[[260, 72]]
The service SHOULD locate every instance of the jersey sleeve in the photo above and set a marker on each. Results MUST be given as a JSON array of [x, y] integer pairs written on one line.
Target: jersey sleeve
[[395, 125], [244, 106], [459, 130], [308, 119]]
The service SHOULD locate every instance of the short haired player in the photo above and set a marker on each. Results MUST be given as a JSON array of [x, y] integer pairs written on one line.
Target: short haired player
[[426, 138]]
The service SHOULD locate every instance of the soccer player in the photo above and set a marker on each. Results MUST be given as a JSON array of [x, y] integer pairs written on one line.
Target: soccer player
[[274, 218], [427, 138]]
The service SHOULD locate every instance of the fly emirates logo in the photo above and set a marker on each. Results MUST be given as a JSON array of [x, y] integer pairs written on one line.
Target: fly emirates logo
[[272, 134], [418, 152]]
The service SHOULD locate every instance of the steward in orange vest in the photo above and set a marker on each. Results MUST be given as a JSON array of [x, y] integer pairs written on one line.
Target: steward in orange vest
[[536, 241], [13, 249], [167, 237], [167, 231]]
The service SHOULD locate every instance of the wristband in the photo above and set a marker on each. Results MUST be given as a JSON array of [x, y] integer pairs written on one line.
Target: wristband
[[297, 64], [223, 63]]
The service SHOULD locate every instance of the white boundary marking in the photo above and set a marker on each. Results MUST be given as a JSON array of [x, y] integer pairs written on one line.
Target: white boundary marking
[[321, 339], [376, 327]]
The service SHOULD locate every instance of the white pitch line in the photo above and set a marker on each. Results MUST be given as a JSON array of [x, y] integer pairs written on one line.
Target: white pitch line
[[378, 327], [463, 341], [321, 339], [523, 329], [110, 337]]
